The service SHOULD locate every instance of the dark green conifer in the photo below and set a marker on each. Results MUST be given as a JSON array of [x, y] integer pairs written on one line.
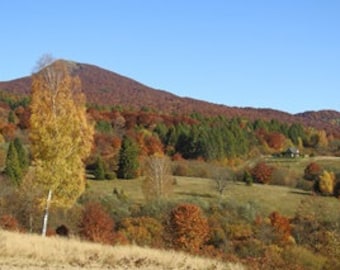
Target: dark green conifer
[[13, 169], [128, 159], [22, 154], [99, 171]]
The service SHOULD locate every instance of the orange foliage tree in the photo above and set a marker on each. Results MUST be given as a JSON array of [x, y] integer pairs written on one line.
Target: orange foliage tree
[[275, 140], [96, 225], [282, 226], [262, 173], [188, 227], [149, 143], [312, 171]]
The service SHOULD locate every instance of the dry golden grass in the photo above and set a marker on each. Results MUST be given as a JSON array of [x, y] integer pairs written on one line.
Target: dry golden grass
[[33, 252]]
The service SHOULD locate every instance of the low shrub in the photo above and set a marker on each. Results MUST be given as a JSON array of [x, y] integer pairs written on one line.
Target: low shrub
[[96, 225], [188, 227], [303, 257], [262, 173], [10, 223], [144, 231]]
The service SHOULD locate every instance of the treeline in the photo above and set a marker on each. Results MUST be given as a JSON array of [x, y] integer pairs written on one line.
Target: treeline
[[197, 137], [194, 136]]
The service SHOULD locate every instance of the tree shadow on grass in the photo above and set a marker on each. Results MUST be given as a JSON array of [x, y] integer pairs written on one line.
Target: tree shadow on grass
[[193, 194], [306, 193]]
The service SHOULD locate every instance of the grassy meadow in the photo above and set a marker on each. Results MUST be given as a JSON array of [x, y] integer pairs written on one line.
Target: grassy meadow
[[282, 195], [33, 252]]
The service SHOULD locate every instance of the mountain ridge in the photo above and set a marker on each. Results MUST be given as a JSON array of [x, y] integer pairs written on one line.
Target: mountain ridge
[[107, 88]]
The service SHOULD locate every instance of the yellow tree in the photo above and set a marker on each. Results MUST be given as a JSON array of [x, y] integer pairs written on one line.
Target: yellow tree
[[60, 134], [327, 182]]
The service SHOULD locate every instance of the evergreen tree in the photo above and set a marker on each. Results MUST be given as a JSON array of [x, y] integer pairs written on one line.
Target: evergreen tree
[[11, 117], [128, 159], [99, 171], [295, 132], [22, 154], [13, 169]]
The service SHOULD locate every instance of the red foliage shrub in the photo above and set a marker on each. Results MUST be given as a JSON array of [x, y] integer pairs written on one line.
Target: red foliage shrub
[[116, 142], [96, 225], [275, 140], [153, 145], [10, 223], [312, 171], [177, 157], [23, 115], [262, 173], [149, 144], [50, 232], [188, 227], [282, 225], [8, 131]]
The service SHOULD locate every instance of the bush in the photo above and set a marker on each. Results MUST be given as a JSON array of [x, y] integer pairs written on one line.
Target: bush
[[96, 225], [250, 248], [312, 171], [10, 223], [188, 227], [144, 231], [303, 257], [62, 230], [247, 178], [192, 168], [217, 236], [304, 185], [326, 183], [110, 175], [262, 173], [281, 225], [337, 190], [181, 170], [239, 231]]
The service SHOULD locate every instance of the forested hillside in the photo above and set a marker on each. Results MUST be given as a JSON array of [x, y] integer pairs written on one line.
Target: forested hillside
[[106, 88], [159, 122]]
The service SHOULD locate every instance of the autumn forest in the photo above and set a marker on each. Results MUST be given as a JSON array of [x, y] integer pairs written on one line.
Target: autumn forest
[[88, 152]]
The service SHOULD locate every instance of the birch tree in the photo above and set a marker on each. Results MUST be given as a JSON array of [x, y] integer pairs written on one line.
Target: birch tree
[[60, 134], [158, 178]]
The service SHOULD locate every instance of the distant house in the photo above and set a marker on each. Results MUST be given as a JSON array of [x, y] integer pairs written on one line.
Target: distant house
[[292, 152]]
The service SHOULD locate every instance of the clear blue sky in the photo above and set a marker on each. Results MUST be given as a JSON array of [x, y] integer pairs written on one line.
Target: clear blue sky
[[281, 54]]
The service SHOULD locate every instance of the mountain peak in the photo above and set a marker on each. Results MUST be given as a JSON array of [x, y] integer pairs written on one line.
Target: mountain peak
[[106, 88]]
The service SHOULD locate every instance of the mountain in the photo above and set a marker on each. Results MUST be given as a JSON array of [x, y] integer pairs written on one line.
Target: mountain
[[103, 87]]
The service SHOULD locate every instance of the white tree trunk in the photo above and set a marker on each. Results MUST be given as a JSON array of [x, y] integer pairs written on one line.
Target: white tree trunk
[[49, 197]]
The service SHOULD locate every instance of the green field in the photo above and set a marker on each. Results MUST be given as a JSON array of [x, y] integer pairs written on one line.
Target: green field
[[267, 198], [262, 199]]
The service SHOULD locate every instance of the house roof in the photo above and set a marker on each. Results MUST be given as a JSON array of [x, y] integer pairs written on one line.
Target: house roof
[[293, 150]]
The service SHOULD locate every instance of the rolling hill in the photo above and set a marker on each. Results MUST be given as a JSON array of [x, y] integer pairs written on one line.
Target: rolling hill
[[107, 88]]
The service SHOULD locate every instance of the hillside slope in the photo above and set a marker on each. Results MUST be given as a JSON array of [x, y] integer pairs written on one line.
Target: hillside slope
[[103, 87], [32, 252]]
